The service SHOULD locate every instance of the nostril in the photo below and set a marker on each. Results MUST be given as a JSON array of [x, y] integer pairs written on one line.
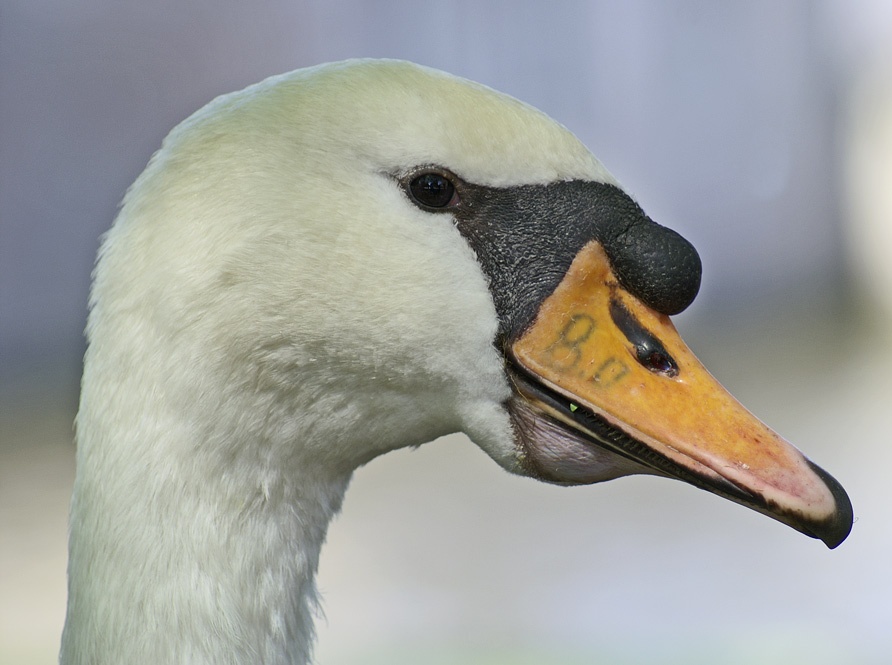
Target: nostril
[[656, 361], [649, 351]]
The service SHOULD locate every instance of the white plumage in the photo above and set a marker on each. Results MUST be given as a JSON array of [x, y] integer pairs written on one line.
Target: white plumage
[[269, 313]]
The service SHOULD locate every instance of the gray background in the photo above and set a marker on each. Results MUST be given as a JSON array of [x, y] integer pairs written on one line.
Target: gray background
[[762, 131]]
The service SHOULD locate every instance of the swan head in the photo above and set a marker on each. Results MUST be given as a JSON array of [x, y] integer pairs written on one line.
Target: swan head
[[356, 257]]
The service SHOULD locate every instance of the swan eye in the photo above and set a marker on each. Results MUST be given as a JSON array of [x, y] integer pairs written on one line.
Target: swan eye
[[433, 190]]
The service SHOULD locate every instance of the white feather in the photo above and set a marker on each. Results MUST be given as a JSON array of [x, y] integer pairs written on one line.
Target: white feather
[[269, 312]]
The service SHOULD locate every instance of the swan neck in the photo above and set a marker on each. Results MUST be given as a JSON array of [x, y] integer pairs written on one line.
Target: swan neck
[[191, 545]]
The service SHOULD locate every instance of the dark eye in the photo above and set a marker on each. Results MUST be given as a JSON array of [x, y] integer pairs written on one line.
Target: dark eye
[[433, 190]]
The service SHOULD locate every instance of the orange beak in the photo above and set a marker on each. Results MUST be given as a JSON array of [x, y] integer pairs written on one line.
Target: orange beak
[[617, 373]]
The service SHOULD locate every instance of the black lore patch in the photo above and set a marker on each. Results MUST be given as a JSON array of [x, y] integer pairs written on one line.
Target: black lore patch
[[527, 236]]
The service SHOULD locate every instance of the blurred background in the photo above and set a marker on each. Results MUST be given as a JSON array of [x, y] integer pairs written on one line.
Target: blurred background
[[760, 130]]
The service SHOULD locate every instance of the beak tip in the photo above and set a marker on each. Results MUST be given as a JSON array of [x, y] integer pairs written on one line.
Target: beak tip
[[834, 530]]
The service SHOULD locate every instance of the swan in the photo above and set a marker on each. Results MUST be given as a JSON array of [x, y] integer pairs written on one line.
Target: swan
[[342, 261]]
